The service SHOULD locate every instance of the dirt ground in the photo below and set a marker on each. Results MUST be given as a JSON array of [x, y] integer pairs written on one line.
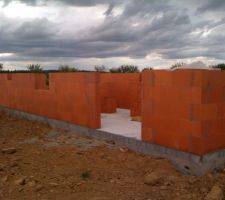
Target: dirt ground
[[39, 162]]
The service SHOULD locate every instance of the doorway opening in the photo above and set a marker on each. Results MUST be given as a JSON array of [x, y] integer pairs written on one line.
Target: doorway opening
[[121, 123]]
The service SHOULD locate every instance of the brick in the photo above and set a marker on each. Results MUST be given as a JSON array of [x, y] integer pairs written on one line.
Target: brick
[[163, 78], [201, 146], [72, 97], [108, 105], [213, 127], [185, 108], [204, 111], [182, 78], [215, 78], [121, 87], [177, 110], [172, 140], [214, 94], [147, 134]]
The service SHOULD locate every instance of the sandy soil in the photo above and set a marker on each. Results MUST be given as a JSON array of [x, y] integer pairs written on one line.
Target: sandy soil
[[39, 162]]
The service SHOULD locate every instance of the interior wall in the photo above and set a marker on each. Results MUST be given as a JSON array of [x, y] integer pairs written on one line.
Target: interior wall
[[120, 90]]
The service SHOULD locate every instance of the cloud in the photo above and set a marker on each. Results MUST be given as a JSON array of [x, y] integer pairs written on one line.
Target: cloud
[[109, 11], [196, 64], [81, 3], [133, 29], [212, 5]]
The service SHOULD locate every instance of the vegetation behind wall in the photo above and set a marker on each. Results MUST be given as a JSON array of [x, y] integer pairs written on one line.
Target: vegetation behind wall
[[219, 66]]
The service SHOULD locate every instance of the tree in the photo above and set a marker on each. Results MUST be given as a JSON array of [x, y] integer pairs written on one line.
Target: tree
[[1, 66], [147, 68], [177, 65], [35, 68], [67, 68], [219, 66], [125, 69], [100, 68]]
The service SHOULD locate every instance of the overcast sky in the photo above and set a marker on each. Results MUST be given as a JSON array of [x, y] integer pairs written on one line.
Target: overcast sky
[[86, 33]]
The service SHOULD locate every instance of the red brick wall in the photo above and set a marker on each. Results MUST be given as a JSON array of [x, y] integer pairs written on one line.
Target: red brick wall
[[71, 97], [184, 109], [122, 91]]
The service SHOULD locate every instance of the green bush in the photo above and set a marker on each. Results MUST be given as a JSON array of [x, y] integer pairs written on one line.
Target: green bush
[[177, 65], [66, 68], [35, 68], [100, 68], [147, 68], [125, 69], [1, 66], [219, 66]]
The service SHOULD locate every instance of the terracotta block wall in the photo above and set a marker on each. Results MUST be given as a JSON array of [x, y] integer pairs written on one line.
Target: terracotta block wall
[[135, 97], [120, 90], [184, 109], [71, 97]]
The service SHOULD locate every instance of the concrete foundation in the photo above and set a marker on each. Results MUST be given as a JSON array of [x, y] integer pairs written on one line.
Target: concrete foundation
[[185, 162]]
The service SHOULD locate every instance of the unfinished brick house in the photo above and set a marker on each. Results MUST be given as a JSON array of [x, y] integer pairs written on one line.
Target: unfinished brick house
[[181, 113]]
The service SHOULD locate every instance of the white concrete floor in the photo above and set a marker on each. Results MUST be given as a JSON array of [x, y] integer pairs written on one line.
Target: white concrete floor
[[120, 123]]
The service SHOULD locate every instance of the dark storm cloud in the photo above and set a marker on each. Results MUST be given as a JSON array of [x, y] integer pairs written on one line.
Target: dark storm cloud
[[142, 28], [67, 2], [109, 11], [22, 38], [212, 5]]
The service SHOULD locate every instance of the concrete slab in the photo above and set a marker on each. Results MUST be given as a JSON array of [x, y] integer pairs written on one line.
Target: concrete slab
[[120, 123]]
